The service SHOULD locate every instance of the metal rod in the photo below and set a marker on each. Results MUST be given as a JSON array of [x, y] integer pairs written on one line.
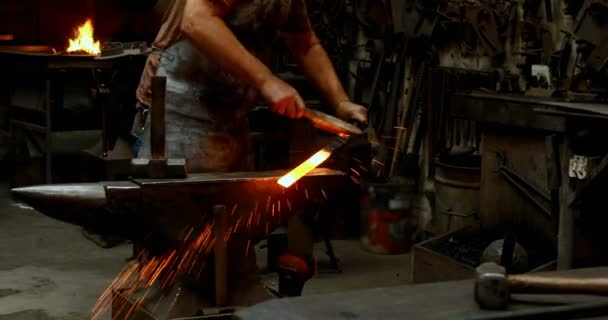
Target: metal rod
[[220, 255], [157, 114]]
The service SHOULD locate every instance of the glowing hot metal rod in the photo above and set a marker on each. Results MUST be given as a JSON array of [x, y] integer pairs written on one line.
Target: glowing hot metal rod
[[327, 123]]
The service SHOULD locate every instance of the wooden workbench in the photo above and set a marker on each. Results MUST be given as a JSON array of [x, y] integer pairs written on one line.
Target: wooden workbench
[[436, 301]]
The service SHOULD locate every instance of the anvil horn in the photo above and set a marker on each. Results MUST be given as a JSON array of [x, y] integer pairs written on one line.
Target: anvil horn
[[72, 203]]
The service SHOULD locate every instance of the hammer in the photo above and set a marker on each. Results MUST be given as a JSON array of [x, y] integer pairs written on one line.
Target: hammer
[[158, 166], [324, 121], [493, 286]]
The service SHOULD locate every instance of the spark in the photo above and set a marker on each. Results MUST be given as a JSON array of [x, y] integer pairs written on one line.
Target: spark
[[378, 162], [355, 171], [355, 180], [363, 168], [324, 195], [238, 224], [247, 249], [234, 209], [188, 234], [400, 128], [279, 206], [306, 192]]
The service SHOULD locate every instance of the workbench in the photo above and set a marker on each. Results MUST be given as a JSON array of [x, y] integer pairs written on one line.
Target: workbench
[[434, 301], [523, 129]]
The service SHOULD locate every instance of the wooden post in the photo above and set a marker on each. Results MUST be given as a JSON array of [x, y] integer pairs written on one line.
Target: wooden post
[[565, 236]]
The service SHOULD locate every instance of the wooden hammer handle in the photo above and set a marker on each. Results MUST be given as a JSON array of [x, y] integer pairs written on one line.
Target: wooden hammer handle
[[157, 118], [539, 284]]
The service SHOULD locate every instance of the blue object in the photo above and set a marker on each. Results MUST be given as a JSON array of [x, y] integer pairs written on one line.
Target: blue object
[[137, 144]]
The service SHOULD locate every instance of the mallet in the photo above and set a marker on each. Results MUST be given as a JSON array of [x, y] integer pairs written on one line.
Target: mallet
[[493, 286]]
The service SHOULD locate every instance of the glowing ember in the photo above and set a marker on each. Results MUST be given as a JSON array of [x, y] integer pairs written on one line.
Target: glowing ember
[[84, 41], [307, 166]]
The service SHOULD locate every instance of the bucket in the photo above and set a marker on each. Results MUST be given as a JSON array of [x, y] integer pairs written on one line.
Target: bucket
[[457, 190], [386, 218]]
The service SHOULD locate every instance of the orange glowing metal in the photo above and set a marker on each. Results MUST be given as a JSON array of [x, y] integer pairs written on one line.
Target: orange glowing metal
[[84, 41], [307, 166]]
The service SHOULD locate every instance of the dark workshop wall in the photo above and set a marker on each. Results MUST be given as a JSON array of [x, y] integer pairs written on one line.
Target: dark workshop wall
[[43, 22], [53, 22]]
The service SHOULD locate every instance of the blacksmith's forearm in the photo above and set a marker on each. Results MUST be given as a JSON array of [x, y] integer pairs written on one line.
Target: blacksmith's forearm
[[317, 67], [211, 35]]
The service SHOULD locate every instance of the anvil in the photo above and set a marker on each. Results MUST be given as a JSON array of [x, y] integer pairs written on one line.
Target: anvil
[[137, 208], [157, 214]]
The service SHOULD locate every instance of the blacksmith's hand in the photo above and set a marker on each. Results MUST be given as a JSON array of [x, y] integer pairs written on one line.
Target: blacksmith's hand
[[283, 98], [352, 112]]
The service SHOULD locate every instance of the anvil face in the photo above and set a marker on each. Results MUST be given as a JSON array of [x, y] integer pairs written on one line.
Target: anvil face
[[168, 208]]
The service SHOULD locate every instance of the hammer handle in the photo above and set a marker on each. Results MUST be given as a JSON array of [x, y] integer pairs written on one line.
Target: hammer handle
[[157, 115], [539, 284]]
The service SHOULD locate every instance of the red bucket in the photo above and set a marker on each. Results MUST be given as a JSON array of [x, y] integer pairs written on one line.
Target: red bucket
[[386, 232]]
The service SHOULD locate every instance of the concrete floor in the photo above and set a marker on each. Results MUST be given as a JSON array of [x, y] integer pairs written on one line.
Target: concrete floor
[[48, 271]]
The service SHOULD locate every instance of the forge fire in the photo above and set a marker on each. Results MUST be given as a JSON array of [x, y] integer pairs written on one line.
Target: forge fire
[[84, 41]]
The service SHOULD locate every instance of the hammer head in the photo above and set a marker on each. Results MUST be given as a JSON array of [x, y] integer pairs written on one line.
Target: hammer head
[[491, 287]]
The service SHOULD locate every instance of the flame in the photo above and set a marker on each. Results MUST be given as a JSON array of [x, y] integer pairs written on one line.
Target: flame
[[303, 169], [84, 41]]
